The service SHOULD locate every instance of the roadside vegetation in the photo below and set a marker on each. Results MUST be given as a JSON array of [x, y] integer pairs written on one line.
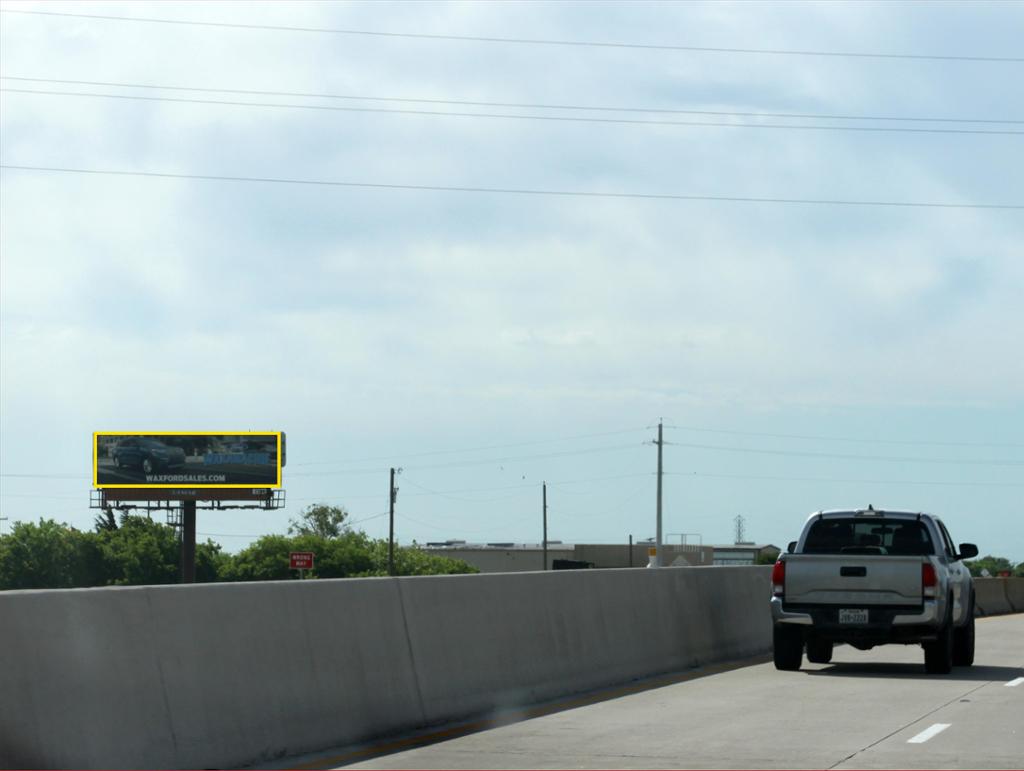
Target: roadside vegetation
[[994, 566], [133, 550]]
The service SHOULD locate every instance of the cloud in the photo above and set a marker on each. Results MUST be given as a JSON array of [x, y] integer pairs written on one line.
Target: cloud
[[184, 302]]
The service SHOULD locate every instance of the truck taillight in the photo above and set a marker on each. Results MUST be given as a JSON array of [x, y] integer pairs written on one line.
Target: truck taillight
[[929, 581], [779, 578]]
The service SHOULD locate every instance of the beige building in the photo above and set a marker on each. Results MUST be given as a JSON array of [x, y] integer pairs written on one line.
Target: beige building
[[743, 553], [518, 557]]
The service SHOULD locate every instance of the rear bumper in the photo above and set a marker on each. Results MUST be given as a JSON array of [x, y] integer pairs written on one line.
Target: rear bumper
[[782, 616], [885, 623]]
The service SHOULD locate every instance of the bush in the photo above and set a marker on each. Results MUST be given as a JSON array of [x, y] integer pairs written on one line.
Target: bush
[[994, 565], [52, 555]]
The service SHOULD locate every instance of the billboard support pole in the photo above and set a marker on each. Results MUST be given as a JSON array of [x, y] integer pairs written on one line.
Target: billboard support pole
[[188, 542]]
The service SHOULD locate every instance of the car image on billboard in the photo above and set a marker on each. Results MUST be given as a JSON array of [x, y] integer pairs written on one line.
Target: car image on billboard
[[175, 459]]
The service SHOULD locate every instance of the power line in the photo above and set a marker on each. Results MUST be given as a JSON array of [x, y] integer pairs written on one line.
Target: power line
[[403, 456], [874, 458], [528, 487], [601, 479], [514, 191], [462, 464], [507, 116], [589, 511], [261, 535], [530, 41], [405, 517], [514, 459], [517, 105], [45, 476], [345, 498], [457, 464], [367, 519], [846, 439], [522, 488], [832, 480], [429, 491], [46, 497]]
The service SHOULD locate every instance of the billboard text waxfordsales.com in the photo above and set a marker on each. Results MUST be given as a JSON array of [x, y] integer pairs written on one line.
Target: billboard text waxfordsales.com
[[181, 459]]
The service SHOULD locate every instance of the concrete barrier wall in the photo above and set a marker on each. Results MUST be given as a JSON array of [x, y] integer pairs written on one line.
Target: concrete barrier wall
[[991, 596], [199, 676], [1015, 594], [227, 674], [559, 633]]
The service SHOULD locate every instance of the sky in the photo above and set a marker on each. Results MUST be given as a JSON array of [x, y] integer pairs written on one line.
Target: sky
[[801, 356]]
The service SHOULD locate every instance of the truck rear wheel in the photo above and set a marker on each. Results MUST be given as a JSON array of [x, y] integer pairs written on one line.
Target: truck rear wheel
[[819, 651], [788, 642], [963, 641], [938, 655]]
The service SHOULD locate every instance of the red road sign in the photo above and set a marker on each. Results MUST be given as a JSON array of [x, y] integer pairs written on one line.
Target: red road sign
[[301, 560]]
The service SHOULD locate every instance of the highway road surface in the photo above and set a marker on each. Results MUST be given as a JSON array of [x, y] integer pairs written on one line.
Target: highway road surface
[[868, 709]]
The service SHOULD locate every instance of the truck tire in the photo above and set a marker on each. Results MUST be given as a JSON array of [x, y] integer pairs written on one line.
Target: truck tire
[[819, 651], [938, 655], [788, 645], [963, 640]]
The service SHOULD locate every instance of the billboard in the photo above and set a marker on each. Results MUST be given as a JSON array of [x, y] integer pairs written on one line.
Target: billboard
[[187, 459]]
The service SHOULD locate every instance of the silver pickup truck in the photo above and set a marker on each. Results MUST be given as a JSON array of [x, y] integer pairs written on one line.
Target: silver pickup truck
[[868, 578]]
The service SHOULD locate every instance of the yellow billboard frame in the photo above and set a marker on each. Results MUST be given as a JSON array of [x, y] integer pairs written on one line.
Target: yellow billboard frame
[[181, 485]]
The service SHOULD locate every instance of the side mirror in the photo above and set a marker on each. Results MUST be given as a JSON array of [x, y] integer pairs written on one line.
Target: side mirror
[[791, 547], [967, 551]]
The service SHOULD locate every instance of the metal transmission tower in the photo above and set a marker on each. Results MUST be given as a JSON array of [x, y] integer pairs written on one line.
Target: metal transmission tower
[[741, 530]]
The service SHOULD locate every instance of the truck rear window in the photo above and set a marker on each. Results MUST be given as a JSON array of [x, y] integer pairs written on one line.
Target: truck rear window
[[868, 536]]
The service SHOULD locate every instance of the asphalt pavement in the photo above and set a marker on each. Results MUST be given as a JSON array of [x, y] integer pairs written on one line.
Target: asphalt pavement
[[867, 709]]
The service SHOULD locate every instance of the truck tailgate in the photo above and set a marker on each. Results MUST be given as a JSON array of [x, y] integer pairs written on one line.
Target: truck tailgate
[[859, 580]]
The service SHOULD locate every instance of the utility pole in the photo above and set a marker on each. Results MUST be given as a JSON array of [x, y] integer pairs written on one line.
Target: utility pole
[[544, 546], [631, 550], [392, 495], [656, 562], [188, 542]]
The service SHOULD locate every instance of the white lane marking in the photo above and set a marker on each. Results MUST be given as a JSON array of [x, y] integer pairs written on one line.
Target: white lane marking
[[1016, 682], [928, 733]]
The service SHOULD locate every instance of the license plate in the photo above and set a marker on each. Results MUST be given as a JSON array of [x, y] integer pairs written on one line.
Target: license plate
[[853, 615]]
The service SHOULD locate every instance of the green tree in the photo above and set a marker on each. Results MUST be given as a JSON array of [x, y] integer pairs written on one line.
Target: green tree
[[767, 558], [211, 562], [138, 550], [142, 551], [347, 555], [321, 520], [37, 556], [351, 555], [91, 564], [264, 560], [994, 565], [414, 561], [105, 521], [267, 559]]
